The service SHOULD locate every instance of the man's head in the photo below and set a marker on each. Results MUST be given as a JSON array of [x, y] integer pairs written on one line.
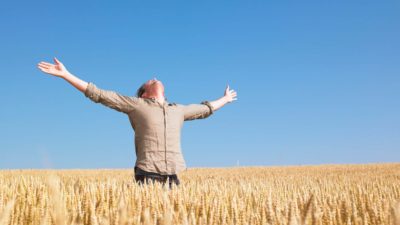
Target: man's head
[[152, 88]]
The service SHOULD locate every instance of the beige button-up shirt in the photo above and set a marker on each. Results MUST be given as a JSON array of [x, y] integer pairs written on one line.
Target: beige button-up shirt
[[157, 127]]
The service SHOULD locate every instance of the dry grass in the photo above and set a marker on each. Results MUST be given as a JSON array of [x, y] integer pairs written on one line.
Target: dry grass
[[329, 194]]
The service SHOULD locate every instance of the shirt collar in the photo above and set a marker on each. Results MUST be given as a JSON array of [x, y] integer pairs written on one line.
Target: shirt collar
[[152, 99]]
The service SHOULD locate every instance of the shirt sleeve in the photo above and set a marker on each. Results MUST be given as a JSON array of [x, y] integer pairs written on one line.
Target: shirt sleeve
[[111, 99], [198, 111]]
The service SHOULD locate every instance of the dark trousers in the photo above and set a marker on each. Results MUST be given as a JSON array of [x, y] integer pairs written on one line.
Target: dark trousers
[[143, 177]]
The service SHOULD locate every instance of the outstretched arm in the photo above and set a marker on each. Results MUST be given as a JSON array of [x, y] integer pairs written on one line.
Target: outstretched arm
[[59, 70], [206, 108], [229, 96], [108, 98]]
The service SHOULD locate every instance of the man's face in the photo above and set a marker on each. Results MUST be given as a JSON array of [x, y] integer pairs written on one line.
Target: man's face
[[152, 87]]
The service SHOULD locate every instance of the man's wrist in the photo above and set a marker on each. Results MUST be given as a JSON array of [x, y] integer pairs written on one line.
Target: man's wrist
[[66, 76], [225, 99]]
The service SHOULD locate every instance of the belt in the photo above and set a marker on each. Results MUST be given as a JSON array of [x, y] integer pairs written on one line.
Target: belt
[[139, 171]]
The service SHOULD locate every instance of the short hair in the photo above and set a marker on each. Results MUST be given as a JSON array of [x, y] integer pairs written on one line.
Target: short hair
[[140, 91]]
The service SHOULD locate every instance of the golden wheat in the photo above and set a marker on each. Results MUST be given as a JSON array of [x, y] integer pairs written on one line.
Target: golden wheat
[[326, 194]]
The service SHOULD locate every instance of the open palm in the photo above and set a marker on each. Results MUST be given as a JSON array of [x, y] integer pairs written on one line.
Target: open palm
[[230, 95], [57, 69]]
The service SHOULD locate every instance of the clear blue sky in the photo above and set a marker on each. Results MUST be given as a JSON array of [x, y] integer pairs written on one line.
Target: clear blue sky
[[318, 82]]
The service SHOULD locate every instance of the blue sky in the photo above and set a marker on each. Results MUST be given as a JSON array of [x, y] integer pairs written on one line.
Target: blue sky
[[318, 82]]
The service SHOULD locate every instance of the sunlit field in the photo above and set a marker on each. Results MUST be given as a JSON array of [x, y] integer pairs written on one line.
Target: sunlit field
[[326, 194]]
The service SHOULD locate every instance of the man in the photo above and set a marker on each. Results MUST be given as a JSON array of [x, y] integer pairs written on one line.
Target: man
[[156, 122]]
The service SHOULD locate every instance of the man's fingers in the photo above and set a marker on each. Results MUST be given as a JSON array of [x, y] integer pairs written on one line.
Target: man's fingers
[[43, 66], [44, 70], [46, 63]]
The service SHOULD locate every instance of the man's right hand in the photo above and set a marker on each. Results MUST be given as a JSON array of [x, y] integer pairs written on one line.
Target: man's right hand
[[57, 69]]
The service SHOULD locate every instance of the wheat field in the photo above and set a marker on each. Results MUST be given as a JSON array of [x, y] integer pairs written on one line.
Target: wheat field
[[282, 195]]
